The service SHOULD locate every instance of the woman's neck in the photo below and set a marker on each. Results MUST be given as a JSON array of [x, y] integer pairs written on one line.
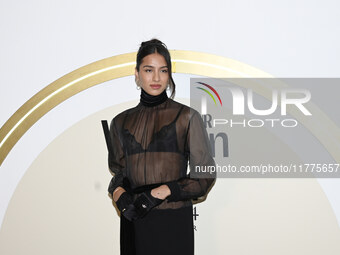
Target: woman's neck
[[149, 100]]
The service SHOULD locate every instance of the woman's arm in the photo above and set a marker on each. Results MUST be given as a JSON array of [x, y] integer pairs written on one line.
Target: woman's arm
[[161, 192], [200, 154], [117, 193], [116, 163]]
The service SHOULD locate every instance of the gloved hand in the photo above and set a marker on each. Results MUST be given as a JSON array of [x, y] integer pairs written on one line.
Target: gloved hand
[[116, 181], [145, 202], [126, 206]]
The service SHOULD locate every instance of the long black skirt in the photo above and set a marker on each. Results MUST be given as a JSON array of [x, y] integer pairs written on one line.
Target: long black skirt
[[168, 231]]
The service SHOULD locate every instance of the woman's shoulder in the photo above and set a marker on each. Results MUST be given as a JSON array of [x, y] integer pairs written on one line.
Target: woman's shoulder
[[119, 118], [186, 111]]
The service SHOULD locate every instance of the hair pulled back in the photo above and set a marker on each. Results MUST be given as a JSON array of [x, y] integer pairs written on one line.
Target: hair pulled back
[[156, 46]]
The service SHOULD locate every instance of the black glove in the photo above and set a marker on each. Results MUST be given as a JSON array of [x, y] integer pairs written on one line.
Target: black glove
[[145, 202], [126, 207]]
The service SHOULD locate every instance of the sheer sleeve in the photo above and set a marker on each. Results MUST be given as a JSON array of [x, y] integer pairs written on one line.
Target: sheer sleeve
[[199, 150], [116, 159]]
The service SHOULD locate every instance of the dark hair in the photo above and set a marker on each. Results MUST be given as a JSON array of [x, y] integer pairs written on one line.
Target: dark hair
[[156, 46]]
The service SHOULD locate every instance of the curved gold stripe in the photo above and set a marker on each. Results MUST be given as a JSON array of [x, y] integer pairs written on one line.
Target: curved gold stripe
[[57, 92], [123, 65]]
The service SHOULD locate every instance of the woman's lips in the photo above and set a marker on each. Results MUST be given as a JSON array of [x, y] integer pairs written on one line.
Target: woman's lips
[[155, 86]]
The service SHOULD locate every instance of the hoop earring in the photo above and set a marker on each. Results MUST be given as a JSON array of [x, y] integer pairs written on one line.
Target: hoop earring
[[138, 86]]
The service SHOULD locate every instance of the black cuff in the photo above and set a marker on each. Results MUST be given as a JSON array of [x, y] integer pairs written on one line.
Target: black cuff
[[145, 202], [124, 201], [116, 181], [175, 191]]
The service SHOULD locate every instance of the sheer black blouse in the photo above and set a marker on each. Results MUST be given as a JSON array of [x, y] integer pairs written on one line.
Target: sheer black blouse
[[153, 143]]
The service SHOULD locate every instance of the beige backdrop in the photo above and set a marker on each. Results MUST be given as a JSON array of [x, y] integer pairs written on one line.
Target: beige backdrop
[[61, 206]]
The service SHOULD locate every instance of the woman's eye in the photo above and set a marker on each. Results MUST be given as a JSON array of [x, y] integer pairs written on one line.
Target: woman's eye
[[148, 70], [164, 71]]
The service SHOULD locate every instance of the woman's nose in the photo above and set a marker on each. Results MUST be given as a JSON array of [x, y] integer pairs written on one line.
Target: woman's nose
[[156, 76]]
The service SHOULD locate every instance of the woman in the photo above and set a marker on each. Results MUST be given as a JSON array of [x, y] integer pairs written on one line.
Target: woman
[[152, 144]]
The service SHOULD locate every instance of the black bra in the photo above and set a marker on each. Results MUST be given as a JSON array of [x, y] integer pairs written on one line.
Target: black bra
[[165, 140]]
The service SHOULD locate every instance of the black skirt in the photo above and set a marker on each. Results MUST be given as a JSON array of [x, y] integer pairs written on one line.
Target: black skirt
[[167, 231]]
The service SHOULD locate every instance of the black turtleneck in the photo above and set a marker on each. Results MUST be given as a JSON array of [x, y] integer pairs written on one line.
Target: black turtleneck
[[149, 100]]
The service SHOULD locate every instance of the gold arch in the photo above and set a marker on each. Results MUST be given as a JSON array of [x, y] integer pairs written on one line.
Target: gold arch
[[123, 65]]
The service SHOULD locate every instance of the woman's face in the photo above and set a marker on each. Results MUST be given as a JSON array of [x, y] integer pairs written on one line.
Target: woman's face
[[153, 74]]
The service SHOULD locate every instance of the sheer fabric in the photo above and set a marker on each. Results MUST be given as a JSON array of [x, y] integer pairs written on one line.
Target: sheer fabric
[[153, 143]]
